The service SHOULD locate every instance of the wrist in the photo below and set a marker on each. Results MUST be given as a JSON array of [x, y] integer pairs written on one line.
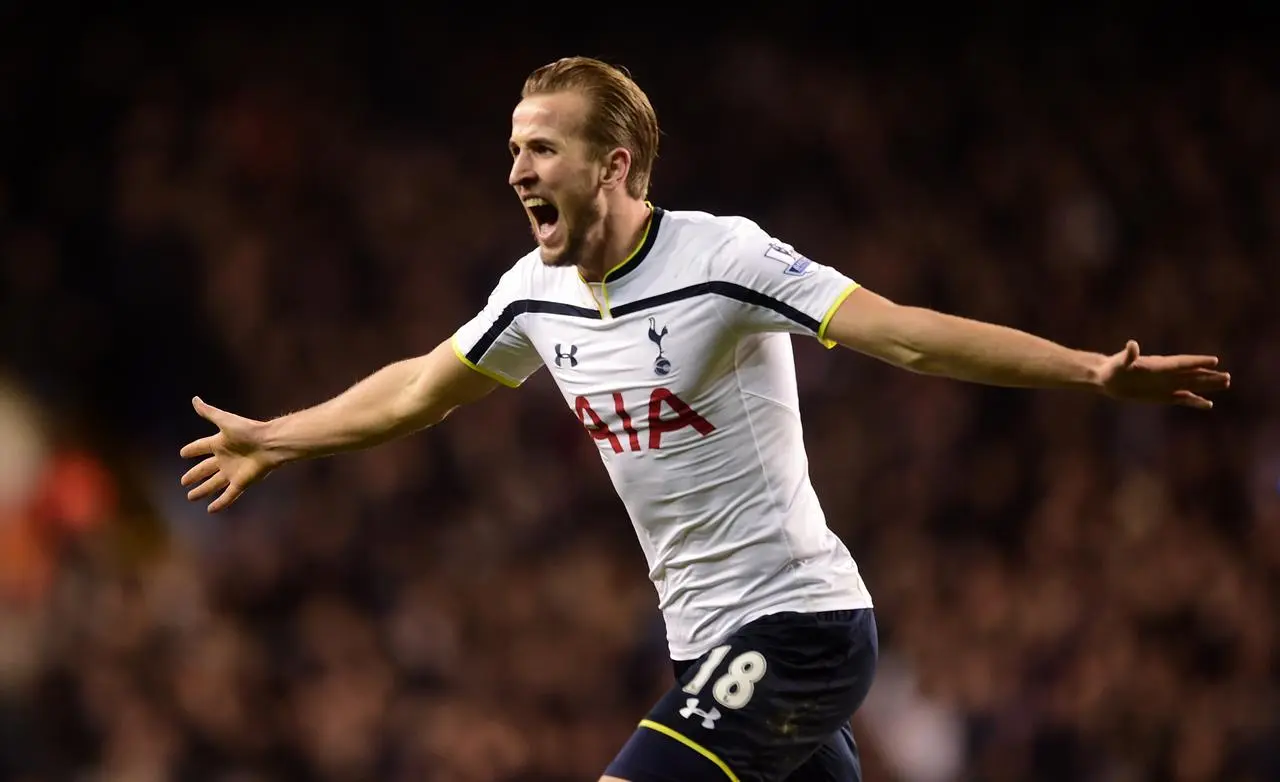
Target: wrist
[[272, 437], [1093, 372]]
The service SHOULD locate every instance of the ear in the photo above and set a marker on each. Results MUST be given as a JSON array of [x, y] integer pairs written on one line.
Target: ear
[[617, 164]]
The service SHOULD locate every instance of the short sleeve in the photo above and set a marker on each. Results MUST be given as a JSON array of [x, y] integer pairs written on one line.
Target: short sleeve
[[784, 290], [493, 342]]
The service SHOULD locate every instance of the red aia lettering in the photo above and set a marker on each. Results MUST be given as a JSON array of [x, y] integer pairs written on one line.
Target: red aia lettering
[[684, 416], [621, 409], [597, 428]]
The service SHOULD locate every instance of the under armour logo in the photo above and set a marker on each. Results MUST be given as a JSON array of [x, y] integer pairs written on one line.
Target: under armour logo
[[571, 356], [661, 365], [708, 717]]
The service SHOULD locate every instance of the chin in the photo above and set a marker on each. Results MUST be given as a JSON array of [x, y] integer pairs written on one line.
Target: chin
[[557, 258], [564, 252]]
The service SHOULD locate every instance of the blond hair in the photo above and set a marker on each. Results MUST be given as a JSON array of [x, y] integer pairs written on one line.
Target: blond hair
[[619, 115]]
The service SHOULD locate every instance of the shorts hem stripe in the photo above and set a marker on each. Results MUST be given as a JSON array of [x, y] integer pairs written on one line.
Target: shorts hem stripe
[[691, 744]]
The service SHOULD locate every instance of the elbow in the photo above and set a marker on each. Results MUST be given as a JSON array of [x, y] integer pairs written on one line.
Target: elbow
[[896, 353], [419, 406], [889, 332], [436, 415], [901, 352], [417, 417], [906, 340], [914, 360]]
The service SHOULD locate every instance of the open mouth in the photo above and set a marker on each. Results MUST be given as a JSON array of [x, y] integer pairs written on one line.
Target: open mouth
[[545, 216]]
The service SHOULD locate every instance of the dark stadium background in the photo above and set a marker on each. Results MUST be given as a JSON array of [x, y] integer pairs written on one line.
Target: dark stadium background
[[262, 208]]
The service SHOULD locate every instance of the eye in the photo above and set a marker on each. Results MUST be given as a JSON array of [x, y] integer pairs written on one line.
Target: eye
[[538, 148]]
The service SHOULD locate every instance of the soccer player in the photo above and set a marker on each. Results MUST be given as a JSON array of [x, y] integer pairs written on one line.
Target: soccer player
[[669, 334]]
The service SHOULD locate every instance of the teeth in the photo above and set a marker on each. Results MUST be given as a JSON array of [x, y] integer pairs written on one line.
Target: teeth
[[536, 202]]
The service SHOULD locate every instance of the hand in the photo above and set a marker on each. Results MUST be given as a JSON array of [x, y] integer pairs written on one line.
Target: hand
[[236, 457], [1178, 380]]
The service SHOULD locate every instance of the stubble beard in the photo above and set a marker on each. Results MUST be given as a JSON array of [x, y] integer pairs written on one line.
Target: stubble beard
[[577, 236]]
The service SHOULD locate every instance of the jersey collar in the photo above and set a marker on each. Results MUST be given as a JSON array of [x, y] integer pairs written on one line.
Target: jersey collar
[[637, 255]]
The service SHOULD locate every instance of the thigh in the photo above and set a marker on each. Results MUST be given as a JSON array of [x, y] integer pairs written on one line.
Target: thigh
[[654, 754], [835, 761], [756, 707]]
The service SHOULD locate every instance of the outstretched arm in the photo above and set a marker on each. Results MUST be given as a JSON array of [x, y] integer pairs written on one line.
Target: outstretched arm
[[397, 400], [934, 343]]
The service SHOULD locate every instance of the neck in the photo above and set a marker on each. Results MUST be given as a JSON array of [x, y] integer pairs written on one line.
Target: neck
[[622, 231]]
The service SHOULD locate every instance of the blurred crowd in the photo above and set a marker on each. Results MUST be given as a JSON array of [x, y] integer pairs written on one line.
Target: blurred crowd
[[1067, 589]]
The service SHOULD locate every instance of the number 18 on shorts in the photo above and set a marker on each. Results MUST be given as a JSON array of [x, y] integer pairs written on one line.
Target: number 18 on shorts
[[760, 705]]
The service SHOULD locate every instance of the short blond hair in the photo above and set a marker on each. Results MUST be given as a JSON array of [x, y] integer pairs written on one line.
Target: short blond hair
[[619, 115]]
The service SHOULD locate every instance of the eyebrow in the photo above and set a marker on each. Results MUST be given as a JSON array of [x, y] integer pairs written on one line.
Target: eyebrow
[[546, 140]]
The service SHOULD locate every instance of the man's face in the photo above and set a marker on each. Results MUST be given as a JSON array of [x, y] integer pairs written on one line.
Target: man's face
[[556, 175]]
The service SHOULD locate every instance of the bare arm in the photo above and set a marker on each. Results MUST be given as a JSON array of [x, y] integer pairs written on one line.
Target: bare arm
[[397, 400], [933, 343]]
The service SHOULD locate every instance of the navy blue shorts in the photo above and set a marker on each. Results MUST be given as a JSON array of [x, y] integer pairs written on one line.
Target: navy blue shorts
[[771, 703]]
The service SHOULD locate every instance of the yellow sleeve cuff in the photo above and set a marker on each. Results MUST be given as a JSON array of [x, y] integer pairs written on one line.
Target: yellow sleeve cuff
[[831, 311], [494, 376]]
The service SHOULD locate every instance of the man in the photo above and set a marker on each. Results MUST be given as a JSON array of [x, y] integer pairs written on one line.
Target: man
[[669, 335]]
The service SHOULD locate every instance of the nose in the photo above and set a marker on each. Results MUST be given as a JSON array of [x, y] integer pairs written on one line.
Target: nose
[[521, 171]]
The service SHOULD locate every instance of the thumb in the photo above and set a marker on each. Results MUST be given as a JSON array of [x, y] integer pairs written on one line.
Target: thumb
[[1131, 353], [206, 410]]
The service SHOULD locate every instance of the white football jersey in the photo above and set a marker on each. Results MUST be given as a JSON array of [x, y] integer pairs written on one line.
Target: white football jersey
[[679, 365]]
